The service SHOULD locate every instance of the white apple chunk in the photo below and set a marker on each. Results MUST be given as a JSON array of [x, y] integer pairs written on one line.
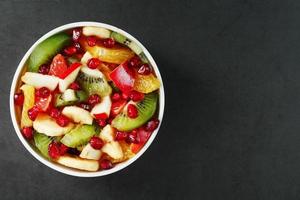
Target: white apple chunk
[[47, 125], [96, 31], [66, 82], [79, 163], [113, 149], [86, 57], [103, 107], [108, 133], [40, 80], [89, 152], [69, 95], [78, 115]]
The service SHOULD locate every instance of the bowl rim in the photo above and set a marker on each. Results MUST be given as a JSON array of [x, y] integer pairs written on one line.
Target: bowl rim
[[61, 168]]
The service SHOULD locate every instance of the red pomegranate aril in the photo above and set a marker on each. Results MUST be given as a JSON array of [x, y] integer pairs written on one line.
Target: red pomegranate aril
[[136, 96], [85, 106], [27, 132], [121, 135], [74, 86], [109, 42], [134, 62], [55, 113], [63, 149], [19, 99], [116, 97], [132, 111], [152, 125], [62, 120], [77, 46], [132, 137], [44, 69], [125, 96], [96, 142], [33, 113], [70, 50], [93, 63], [53, 150], [102, 122], [144, 69], [43, 92], [94, 99], [76, 33], [91, 41], [106, 164], [101, 116]]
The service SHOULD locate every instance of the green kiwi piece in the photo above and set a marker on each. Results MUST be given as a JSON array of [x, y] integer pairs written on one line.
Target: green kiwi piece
[[42, 142], [79, 136], [46, 50], [59, 101], [146, 109], [81, 95]]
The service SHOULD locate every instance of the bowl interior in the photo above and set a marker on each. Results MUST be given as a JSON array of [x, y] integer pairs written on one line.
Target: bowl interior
[[61, 168]]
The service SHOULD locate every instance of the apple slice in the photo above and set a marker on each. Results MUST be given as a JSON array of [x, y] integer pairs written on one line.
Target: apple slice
[[78, 115], [40, 80], [89, 152], [79, 163], [107, 134], [113, 149], [86, 57], [102, 107], [123, 77], [69, 76], [96, 31], [47, 125]]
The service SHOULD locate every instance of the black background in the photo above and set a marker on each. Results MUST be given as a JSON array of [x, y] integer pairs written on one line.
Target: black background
[[231, 72]]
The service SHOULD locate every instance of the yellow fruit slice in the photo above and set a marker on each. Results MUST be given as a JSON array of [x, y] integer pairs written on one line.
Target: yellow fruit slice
[[28, 92], [115, 55], [146, 83]]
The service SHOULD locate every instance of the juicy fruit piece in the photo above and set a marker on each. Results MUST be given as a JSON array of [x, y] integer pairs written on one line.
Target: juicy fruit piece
[[132, 111], [19, 99], [78, 163], [143, 137], [88, 152], [54, 113], [144, 69], [43, 103], [81, 96], [106, 164], [70, 50], [121, 135], [96, 31], [123, 77], [117, 107], [146, 84], [96, 142], [107, 133], [102, 122], [46, 50], [85, 58], [39, 80], [152, 125], [93, 63], [69, 95], [27, 132], [69, 76], [62, 120], [109, 42], [94, 99], [74, 86], [63, 149], [146, 110], [91, 40], [134, 62], [48, 126], [113, 149], [33, 113], [53, 150], [78, 115], [58, 66], [29, 94], [79, 136], [42, 142], [42, 92], [59, 101], [136, 96], [102, 107], [92, 81], [123, 40]]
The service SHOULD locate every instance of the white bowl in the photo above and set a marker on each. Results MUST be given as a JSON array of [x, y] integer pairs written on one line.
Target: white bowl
[[61, 168]]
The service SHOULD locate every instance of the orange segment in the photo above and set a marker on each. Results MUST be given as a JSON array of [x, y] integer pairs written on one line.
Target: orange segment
[[146, 83]]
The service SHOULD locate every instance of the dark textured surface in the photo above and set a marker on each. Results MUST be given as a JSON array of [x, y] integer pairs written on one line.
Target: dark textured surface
[[231, 73]]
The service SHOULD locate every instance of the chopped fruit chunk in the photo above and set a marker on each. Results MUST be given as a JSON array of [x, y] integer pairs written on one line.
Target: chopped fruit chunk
[[33, 113], [132, 111], [121, 135], [78, 163], [58, 66], [152, 125], [69, 76], [102, 107], [146, 84], [54, 113], [78, 115], [27, 132], [94, 99], [106, 164], [43, 103], [107, 133], [42, 142], [88, 152], [44, 69], [85, 58], [70, 50], [113, 149], [134, 62], [101, 116], [29, 94], [132, 137], [117, 107], [109, 42], [91, 41], [43, 92], [19, 99], [136, 96], [74, 86], [39, 80], [93, 63], [96, 31], [123, 77], [144, 69], [62, 120], [96, 142], [143, 137], [54, 152]]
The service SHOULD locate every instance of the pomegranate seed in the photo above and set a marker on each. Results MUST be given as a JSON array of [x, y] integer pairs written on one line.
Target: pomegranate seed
[[132, 137], [96, 142], [33, 113], [132, 111], [102, 122], [109, 42], [63, 149], [43, 92], [125, 96], [144, 69], [106, 164], [85, 106], [44, 69], [62, 120], [76, 33], [101, 116], [70, 50], [94, 99], [77, 46], [135, 62], [121, 135], [116, 97], [55, 113], [92, 41], [27, 132], [19, 99], [53, 150], [74, 86], [93, 63], [152, 125], [136, 96]]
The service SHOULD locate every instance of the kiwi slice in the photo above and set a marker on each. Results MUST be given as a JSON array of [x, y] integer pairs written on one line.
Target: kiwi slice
[[42, 142], [59, 101], [79, 136], [146, 109], [46, 50], [81, 95], [93, 82]]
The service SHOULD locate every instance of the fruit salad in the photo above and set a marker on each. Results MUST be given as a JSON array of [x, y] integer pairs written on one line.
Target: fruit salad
[[87, 98]]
